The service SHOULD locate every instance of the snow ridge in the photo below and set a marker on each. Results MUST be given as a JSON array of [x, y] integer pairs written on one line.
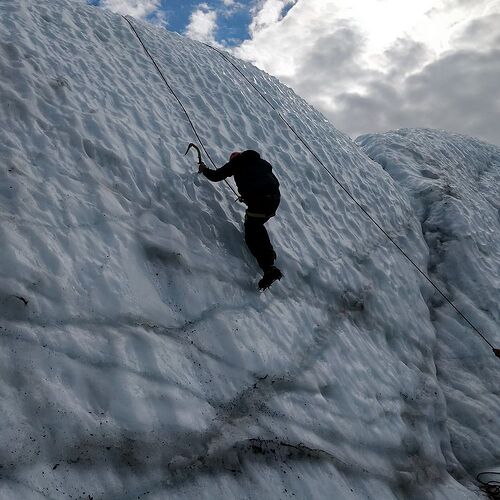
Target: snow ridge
[[453, 182]]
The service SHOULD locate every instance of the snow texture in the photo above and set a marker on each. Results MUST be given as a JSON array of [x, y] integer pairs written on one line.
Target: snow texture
[[137, 358], [454, 184]]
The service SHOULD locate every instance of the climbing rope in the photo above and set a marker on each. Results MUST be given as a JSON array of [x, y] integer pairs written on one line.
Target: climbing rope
[[177, 98], [492, 487], [306, 145]]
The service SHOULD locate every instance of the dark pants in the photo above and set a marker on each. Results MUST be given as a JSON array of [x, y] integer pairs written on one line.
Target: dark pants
[[258, 213]]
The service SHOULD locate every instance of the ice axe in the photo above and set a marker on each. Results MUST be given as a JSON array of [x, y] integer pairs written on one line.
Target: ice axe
[[191, 145], [200, 162]]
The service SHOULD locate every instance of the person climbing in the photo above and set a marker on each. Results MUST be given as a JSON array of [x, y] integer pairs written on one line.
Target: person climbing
[[259, 190]]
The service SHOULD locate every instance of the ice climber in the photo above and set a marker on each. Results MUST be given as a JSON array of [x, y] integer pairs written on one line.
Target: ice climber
[[259, 190]]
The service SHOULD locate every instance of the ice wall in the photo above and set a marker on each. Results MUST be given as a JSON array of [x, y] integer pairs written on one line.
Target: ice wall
[[137, 358]]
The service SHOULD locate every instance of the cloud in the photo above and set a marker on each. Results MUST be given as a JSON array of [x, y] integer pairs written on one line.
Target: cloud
[[203, 24], [231, 7], [458, 91], [268, 12], [405, 56], [376, 65], [315, 66], [480, 33]]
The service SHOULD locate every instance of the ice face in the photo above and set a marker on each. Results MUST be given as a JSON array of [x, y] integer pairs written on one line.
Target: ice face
[[137, 357]]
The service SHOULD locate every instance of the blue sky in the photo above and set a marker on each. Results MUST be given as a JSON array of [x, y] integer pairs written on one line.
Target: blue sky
[[232, 26], [233, 18]]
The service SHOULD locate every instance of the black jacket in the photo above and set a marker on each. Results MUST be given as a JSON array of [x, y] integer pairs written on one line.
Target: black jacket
[[253, 176]]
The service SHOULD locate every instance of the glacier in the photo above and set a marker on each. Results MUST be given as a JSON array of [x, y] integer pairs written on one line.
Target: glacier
[[138, 359]]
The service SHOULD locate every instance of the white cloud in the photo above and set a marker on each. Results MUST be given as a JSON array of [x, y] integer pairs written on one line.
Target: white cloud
[[203, 24], [136, 8], [159, 18], [358, 61], [268, 12], [230, 7]]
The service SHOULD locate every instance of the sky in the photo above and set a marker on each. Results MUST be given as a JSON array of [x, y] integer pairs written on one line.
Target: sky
[[368, 65]]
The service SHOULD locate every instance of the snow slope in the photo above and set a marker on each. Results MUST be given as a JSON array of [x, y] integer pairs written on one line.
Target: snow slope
[[137, 359]]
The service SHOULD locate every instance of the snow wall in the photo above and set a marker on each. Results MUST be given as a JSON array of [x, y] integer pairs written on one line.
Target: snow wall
[[137, 358]]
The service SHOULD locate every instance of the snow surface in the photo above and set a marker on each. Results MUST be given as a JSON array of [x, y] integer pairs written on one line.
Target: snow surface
[[137, 358]]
